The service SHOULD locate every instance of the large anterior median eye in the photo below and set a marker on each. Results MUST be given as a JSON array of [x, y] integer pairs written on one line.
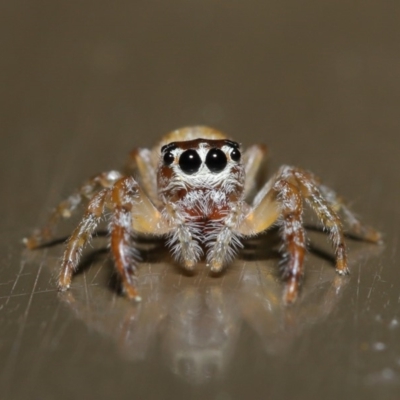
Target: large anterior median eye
[[216, 160], [189, 161]]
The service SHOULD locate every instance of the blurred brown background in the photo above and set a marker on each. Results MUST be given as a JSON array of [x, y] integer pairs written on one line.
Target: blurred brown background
[[81, 83]]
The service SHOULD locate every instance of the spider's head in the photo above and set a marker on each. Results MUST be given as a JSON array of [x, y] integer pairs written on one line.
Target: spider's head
[[201, 164]]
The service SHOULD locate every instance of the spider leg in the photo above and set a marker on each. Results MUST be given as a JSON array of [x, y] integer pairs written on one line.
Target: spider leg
[[80, 237], [124, 195], [365, 232], [133, 213], [282, 195], [308, 186], [293, 234], [325, 212], [68, 206], [281, 200]]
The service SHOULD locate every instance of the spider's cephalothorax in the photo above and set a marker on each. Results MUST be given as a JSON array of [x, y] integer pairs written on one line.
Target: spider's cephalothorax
[[203, 176], [192, 188]]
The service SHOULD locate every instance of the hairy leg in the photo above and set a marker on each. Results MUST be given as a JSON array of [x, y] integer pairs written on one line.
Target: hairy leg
[[68, 206], [280, 201], [308, 186], [293, 235], [124, 196], [80, 237], [133, 212], [363, 231], [282, 196]]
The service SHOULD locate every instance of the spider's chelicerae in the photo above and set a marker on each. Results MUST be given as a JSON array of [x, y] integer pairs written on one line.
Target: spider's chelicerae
[[192, 188]]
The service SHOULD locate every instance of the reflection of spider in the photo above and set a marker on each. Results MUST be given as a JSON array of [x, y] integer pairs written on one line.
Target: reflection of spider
[[191, 187]]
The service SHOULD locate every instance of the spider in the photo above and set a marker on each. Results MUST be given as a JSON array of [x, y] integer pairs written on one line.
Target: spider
[[191, 188]]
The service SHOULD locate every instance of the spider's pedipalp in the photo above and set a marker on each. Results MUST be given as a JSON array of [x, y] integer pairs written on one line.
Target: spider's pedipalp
[[182, 241], [223, 240]]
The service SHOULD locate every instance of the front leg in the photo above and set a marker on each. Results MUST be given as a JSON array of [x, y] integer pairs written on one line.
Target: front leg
[[124, 196], [293, 235], [133, 213], [280, 201]]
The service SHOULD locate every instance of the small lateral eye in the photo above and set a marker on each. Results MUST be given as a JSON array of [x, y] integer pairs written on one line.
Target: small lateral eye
[[168, 158], [216, 160], [190, 162], [235, 155]]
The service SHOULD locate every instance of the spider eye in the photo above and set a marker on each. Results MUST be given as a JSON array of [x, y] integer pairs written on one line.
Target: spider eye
[[235, 155], [168, 158], [216, 160], [189, 161]]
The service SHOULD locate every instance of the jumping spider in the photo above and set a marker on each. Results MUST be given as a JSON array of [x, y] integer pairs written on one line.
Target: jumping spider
[[191, 188]]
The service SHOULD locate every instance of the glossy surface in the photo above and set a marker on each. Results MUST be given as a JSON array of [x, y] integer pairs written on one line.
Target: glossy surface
[[190, 162], [216, 160], [81, 86]]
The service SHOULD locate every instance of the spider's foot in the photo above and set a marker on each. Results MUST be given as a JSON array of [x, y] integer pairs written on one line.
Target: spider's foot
[[372, 235], [343, 271], [65, 278], [131, 292], [62, 288], [291, 292], [38, 237], [367, 233], [341, 264], [31, 242], [64, 283]]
